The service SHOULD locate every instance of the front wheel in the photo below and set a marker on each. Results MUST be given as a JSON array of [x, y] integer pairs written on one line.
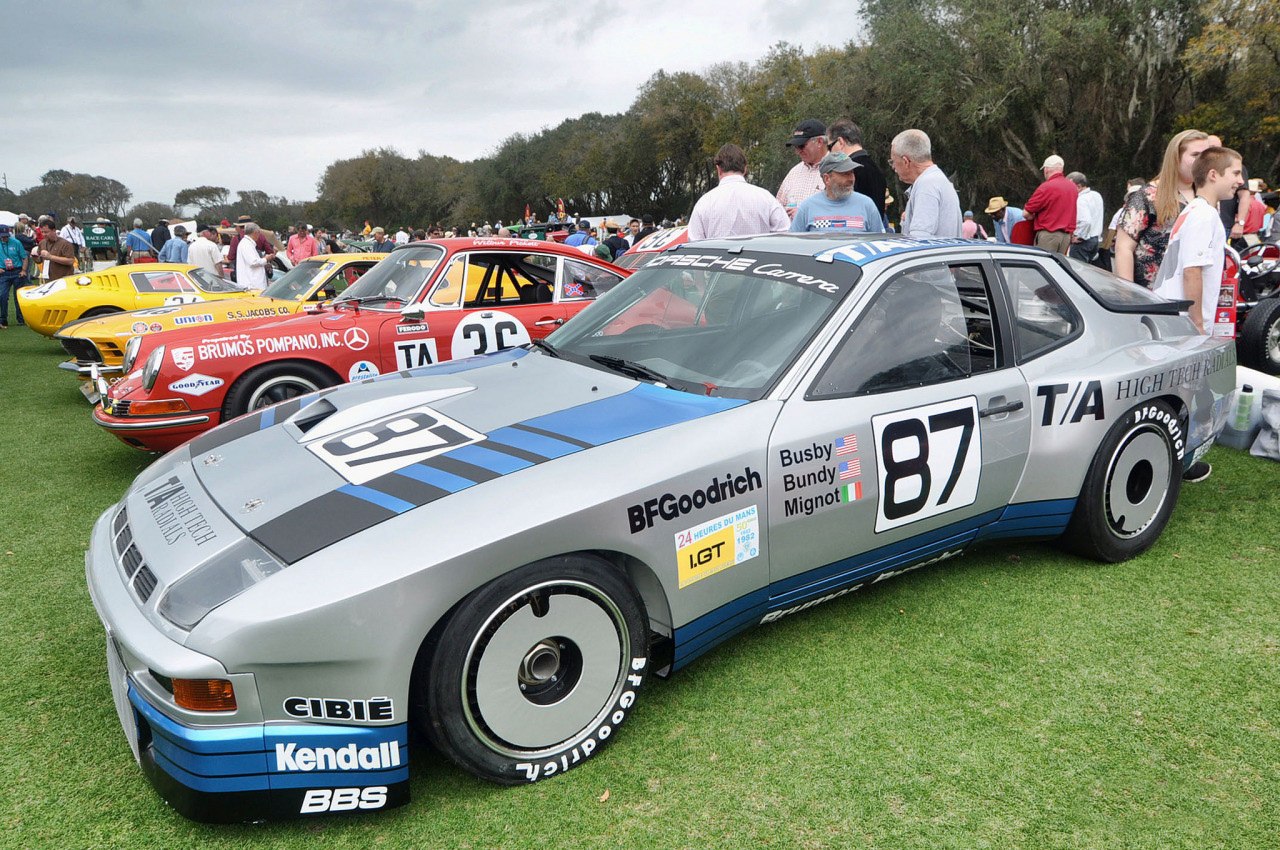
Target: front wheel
[[272, 384], [1131, 487], [1260, 337], [535, 671]]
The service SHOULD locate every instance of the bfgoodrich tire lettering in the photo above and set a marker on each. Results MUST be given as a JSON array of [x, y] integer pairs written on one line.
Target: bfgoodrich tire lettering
[[1131, 487], [534, 672]]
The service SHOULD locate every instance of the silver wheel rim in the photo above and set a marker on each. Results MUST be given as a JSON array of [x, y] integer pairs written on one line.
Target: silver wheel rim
[[1273, 341], [1137, 482], [276, 390], [582, 632]]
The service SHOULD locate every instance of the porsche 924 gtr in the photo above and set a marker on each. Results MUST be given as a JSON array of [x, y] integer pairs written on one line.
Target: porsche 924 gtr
[[424, 303], [500, 552]]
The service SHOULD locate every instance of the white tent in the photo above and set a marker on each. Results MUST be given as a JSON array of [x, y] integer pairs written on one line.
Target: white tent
[[8, 218]]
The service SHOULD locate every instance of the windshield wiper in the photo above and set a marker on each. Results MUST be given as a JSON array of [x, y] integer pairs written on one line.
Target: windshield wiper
[[543, 345], [630, 368]]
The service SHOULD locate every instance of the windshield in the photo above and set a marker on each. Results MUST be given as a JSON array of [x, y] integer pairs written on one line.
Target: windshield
[[397, 279], [297, 282], [212, 283], [708, 324]]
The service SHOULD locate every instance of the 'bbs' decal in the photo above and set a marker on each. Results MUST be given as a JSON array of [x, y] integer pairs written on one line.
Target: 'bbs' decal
[[392, 442]]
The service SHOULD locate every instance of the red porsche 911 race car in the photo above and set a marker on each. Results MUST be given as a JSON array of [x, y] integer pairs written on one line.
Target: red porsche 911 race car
[[426, 302]]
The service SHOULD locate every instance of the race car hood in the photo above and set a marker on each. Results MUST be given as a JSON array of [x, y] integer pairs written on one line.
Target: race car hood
[[307, 473], [125, 324]]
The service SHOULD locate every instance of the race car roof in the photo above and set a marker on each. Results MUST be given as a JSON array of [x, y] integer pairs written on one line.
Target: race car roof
[[859, 249]]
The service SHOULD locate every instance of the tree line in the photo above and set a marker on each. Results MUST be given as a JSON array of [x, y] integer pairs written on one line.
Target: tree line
[[998, 87]]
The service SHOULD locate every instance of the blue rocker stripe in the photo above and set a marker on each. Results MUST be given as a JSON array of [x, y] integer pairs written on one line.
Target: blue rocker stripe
[[639, 410]]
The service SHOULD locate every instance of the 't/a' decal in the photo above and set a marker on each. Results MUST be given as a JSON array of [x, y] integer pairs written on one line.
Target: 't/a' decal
[[1085, 400]]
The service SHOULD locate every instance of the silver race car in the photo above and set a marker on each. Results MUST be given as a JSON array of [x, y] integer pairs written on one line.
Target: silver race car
[[499, 552]]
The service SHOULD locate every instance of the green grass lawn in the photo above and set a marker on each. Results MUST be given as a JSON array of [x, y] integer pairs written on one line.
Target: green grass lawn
[[1012, 698]]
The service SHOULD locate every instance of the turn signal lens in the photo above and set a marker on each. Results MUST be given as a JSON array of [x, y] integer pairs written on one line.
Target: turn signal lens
[[204, 694], [154, 408]]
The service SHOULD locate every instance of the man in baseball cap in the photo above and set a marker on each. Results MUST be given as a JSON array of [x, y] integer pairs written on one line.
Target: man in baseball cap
[[837, 206], [809, 140], [1052, 208]]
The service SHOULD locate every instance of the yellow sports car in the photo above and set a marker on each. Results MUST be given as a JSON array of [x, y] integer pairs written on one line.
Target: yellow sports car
[[98, 343], [52, 304]]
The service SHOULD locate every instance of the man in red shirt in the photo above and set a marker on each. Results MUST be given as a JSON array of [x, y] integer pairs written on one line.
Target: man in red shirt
[[1051, 209]]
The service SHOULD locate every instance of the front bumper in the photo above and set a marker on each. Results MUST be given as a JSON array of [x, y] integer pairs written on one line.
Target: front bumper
[[230, 766], [154, 434]]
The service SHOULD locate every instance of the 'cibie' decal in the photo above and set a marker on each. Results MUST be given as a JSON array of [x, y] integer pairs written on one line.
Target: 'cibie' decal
[[930, 460], [392, 442], [1079, 405]]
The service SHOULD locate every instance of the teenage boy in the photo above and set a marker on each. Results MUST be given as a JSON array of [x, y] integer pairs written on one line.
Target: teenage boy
[[1193, 262], [1192, 265]]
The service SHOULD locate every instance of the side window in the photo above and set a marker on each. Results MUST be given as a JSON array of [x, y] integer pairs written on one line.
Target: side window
[[494, 280], [583, 280], [163, 282], [926, 326], [448, 291], [1042, 315]]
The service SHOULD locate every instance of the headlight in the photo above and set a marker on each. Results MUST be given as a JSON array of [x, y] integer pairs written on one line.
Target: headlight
[[84, 280], [152, 369], [197, 593], [131, 352]]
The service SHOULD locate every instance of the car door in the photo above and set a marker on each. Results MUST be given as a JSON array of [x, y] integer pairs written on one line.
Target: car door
[[910, 433]]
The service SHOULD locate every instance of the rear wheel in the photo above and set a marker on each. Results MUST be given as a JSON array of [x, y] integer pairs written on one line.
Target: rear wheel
[[1131, 487], [1259, 343], [535, 671], [272, 384]]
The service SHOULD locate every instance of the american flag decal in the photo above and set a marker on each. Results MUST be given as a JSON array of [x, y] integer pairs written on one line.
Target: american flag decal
[[851, 468], [846, 445]]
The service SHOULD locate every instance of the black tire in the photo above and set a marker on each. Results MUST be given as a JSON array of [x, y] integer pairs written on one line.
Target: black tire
[[533, 672], [272, 384], [1259, 343], [1131, 487], [100, 311]]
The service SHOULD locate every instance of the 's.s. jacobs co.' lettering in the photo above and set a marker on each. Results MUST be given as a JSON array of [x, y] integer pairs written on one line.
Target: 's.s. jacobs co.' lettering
[[670, 506]]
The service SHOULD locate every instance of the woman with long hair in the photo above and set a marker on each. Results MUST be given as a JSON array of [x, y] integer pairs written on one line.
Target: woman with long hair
[[1143, 231]]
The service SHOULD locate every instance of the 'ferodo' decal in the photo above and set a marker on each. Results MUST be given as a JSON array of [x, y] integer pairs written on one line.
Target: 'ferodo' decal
[[488, 331]]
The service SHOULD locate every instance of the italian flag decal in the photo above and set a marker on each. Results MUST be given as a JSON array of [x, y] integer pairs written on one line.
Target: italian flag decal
[[851, 492]]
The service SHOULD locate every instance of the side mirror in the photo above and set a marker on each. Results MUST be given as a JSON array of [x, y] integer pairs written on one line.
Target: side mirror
[[413, 313]]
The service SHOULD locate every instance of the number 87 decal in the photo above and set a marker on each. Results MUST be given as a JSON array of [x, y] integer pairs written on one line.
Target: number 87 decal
[[930, 461]]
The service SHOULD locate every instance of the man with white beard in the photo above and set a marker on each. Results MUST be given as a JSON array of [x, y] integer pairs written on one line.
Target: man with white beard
[[837, 206]]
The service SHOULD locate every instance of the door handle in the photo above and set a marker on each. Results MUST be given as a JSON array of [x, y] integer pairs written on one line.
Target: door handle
[[1001, 408], [544, 322]]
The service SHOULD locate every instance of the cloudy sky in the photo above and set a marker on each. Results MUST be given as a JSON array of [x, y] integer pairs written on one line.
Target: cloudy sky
[[166, 96]]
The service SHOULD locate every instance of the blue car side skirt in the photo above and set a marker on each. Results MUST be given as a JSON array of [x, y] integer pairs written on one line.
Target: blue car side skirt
[[1033, 520]]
